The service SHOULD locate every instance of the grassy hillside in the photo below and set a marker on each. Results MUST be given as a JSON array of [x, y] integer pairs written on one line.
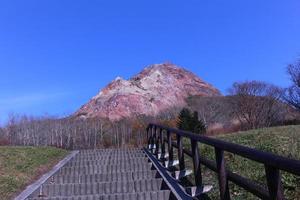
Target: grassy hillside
[[19, 166], [283, 141]]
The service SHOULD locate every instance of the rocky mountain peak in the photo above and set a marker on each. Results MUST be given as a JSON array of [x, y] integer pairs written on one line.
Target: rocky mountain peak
[[156, 88]]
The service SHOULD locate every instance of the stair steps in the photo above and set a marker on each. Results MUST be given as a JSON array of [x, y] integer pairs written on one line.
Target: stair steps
[[106, 175], [155, 195], [96, 178]]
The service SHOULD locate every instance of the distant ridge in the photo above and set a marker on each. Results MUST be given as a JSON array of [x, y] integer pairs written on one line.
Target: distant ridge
[[156, 88]]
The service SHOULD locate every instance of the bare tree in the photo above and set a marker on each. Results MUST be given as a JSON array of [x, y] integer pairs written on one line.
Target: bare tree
[[292, 94], [256, 104], [211, 109], [3, 138], [75, 133]]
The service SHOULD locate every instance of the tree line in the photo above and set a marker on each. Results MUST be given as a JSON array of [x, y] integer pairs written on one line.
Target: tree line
[[70, 133]]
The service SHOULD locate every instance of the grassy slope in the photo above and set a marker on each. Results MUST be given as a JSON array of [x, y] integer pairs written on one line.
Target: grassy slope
[[283, 141], [19, 166]]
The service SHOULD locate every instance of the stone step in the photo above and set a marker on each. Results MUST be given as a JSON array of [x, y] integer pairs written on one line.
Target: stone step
[[110, 153], [111, 150], [76, 173], [86, 158], [106, 162], [96, 178], [110, 165], [121, 159], [104, 169], [106, 156], [98, 188], [157, 195], [108, 171]]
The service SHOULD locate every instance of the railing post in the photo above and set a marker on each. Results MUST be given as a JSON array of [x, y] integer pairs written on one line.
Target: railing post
[[152, 138], [196, 163], [180, 153], [170, 146], [274, 183], [157, 138], [162, 142], [148, 137], [222, 176]]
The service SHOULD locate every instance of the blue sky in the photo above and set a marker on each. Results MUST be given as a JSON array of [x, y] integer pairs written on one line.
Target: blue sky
[[56, 54]]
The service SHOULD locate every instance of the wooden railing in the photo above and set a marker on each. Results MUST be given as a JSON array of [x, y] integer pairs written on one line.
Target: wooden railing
[[159, 136]]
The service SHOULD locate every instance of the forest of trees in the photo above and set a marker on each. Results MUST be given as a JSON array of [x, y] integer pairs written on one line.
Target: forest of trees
[[70, 133]]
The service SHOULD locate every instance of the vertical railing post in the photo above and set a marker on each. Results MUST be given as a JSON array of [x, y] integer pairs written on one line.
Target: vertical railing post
[[148, 137], [222, 176], [162, 143], [170, 146], [196, 162], [180, 153], [152, 138], [157, 141], [274, 183]]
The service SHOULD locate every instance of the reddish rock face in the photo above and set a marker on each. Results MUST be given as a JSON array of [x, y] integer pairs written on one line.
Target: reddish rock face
[[156, 88]]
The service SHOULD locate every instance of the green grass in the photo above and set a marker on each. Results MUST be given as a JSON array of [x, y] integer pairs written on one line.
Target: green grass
[[284, 141], [19, 166]]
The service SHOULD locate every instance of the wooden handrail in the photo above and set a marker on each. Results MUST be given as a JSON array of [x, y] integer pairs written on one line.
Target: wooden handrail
[[273, 163]]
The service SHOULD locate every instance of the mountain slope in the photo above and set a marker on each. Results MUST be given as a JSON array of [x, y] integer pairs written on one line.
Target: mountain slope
[[156, 88]]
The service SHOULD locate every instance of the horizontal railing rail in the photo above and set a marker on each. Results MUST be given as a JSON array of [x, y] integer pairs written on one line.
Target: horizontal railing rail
[[272, 163]]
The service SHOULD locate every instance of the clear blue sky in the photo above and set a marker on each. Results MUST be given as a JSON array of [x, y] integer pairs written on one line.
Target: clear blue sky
[[57, 54]]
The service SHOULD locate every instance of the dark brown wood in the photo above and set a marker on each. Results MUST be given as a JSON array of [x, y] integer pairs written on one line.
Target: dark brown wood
[[148, 136], [245, 183], [152, 136], [156, 142], [162, 142], [223, 181], [153, 139], [274, 183], [279, 162], [170, 146], [273, 163], [169, 183], [196, 162], [180, 153]]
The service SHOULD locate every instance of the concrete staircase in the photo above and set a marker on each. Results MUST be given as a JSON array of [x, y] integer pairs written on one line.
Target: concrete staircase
[[108, 174]]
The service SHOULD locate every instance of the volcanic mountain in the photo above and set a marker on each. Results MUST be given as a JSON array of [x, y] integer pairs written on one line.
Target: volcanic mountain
[[156, 88]]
